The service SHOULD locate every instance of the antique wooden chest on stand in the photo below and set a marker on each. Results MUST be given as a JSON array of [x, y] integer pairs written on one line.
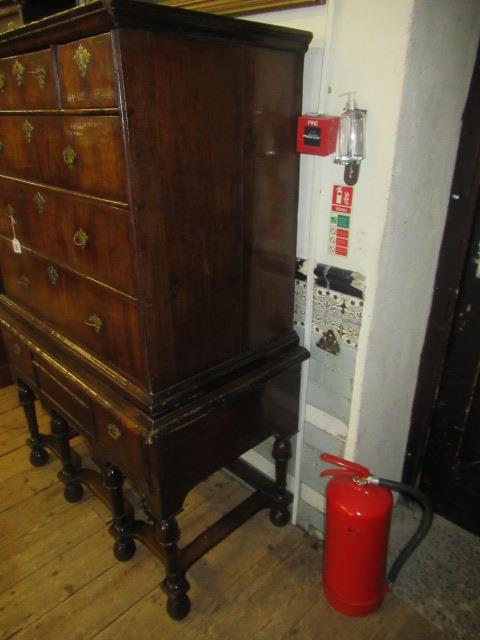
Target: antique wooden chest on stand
[[148, 197]]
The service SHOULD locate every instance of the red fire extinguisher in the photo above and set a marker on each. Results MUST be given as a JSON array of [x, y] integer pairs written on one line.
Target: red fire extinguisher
[[358, 511]]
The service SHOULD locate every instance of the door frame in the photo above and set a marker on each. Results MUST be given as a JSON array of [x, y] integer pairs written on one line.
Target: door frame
[[464, 197]]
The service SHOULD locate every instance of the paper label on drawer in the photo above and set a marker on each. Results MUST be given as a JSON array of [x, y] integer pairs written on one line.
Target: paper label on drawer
[[17, 247]]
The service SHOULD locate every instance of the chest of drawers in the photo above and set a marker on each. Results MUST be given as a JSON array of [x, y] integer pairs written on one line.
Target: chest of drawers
[[148, 173]]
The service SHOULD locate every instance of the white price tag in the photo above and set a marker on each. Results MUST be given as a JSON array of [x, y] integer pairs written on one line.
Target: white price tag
[[17, 247]]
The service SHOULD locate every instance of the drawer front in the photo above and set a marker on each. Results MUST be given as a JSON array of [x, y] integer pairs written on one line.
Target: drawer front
[[120, 446], [93, 316], [87, 78], [9, 22], [60, 394], [28, 82], [87, 236], [74, 152], [19, 357]]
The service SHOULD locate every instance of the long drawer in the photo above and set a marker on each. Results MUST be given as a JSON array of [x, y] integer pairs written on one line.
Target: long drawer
[[74, 152], [84, 234], [28, 82], [65, 395], [58, 393], [93, 316]]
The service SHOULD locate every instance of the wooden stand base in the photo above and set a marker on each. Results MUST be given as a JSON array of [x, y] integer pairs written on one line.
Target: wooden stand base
[[161, 538]]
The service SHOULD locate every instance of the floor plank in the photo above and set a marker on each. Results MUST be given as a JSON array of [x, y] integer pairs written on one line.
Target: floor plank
[[59, 576]]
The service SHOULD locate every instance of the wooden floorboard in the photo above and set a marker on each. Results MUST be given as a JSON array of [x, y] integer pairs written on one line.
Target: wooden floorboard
[[58, 576]]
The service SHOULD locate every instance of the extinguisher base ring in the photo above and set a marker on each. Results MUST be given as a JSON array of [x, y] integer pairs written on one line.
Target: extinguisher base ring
[[347, 608]]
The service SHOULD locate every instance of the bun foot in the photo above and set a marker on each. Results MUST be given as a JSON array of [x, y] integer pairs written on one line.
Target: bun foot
[[178, 607], [280, 517], [73, 492], [38, 457], [124, 551]]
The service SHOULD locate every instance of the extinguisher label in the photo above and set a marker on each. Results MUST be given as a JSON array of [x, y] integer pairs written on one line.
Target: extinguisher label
[[341, 208], [342, 197]]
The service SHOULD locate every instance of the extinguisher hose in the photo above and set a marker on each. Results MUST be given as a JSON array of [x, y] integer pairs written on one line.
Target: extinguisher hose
[[422, 529]]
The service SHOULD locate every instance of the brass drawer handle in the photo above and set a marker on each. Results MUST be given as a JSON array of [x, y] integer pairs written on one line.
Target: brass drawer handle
[[82, 58], [40, 74], [80, 238], [27, 128], [70, 157], [2, 82], [18, 70], [24, 281], [39, 201], [53, 274], [94, 322], [1, 146], [113, 431], [17, 349]]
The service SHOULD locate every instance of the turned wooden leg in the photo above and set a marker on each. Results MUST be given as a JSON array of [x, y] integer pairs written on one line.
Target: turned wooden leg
[[175, 584], [38, 455], [281, 452], [73, 491], [124, 547]]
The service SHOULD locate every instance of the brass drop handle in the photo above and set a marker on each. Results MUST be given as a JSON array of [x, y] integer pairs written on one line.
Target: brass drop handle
[[69, 157], [17, 349], [40, 74], [24, 281], [80, 238], [113, 431], [39, 202], [53, 274], [2, 82], [18, 70], [94, 322], [27, 129]]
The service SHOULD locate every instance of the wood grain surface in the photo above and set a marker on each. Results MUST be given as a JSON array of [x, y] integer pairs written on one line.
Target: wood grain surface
[[58, 570]]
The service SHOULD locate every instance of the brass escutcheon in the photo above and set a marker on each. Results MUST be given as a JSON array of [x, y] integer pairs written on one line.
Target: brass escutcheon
[[2, 82], [18, 70], [24, 281], [82, 58], [69, 157], [27, 128], [52, 274], [17, 349], [40, 74], [80, 238], [39, 201], [113, 431], [94, 322]]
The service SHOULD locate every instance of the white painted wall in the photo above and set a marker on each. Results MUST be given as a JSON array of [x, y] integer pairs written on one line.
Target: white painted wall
[[410, 62], [443, 38]]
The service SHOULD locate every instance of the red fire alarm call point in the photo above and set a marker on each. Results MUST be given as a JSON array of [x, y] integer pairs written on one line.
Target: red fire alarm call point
[[317, 134]]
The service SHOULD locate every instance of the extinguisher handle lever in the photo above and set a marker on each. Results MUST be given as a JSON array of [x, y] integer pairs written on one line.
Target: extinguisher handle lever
[[348, 468], [338, 473]]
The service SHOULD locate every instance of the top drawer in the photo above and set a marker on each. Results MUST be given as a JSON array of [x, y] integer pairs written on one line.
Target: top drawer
[[86, 73], [28, 82]]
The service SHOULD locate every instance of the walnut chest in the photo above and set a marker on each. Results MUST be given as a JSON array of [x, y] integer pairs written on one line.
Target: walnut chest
[[148, 195]]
